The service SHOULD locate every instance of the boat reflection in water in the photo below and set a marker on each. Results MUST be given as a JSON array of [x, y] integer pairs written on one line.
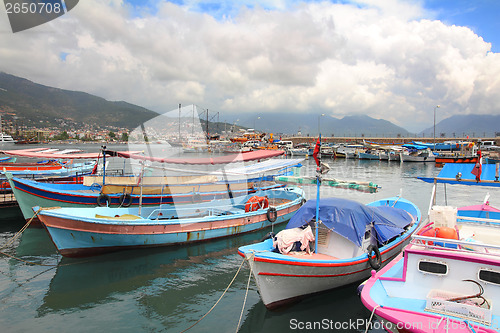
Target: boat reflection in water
[[170, 276]]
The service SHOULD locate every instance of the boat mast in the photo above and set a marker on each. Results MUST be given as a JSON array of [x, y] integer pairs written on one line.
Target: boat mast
[[318, 185]]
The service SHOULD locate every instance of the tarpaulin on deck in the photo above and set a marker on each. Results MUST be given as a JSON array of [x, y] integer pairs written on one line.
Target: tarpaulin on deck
[[349, 218]]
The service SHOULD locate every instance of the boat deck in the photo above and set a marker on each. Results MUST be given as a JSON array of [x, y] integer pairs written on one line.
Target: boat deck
[[311, 256]]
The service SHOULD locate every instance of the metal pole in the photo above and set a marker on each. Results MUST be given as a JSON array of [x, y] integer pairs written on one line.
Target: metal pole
[[103, 165], [437, 106], [318, 185]]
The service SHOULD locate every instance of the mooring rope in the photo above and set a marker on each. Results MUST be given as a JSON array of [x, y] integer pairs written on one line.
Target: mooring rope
[[227, 288], [246, 295], [16, 236], [371, 317]]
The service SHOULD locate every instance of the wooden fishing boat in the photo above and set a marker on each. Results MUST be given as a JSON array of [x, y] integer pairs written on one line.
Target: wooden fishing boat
[[448, 277], [416, 153], [149, 191], [368, 155], [31, 193], [88, 231], [348, 235]]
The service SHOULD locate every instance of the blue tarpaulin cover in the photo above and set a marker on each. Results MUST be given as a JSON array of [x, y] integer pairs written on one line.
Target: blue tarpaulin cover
[[349, 218]]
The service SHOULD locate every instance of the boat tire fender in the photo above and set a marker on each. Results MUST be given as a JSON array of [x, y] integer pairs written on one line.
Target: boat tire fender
[[103, 200], [272, 214], [376, 262], [125, 200]]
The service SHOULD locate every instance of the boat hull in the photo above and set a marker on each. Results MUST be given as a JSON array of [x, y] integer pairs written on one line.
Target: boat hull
[[368, 156], [411, 158], [440, 160], [298, 280]]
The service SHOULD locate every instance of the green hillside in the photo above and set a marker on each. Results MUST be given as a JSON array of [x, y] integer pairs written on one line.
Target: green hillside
[[33, 103]]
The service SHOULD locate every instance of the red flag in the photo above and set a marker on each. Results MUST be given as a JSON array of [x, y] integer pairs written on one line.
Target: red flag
[[316, 150], [476, 171]]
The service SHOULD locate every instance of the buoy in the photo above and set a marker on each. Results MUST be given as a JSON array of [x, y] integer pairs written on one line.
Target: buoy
[[446, 232]]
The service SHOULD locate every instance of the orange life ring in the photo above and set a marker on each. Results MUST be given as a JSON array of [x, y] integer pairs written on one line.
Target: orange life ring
[[252, 204], [256, 203]]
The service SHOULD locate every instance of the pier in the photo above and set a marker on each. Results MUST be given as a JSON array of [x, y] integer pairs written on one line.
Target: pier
[[381, 140]]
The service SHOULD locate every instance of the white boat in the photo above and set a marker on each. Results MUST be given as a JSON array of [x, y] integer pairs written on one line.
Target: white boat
[[5, 139], [349, 150], [348, 234], [448, 277], [369, 155], [416, 153]]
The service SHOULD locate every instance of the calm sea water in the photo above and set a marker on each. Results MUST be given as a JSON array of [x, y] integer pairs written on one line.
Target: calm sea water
[[169, 289]]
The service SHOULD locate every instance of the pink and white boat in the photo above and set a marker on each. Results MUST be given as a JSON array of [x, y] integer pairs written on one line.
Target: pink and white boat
[[447, 279]]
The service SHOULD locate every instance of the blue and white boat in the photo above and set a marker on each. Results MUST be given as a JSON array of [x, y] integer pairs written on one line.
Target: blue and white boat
[[78, 232], [352, 240]]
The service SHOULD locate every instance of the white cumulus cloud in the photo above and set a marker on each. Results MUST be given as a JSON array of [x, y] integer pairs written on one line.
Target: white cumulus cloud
[[386, 59]]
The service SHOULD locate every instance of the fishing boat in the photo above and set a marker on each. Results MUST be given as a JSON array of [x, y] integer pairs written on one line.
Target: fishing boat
[[443, 146], [349, 239], [149, 191], [348, 235], [349, 151], [56, 162], [448, 278], [443, 159], [80, 232], [369, 154], [416, 153]]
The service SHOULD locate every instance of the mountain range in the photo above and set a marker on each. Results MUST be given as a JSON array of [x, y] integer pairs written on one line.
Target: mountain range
[[466, 125], [35, 103]]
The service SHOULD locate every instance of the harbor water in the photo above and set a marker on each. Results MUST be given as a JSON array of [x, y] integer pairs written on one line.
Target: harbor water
[[170, 289]]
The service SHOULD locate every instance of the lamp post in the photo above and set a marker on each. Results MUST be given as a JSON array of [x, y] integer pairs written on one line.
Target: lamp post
[[437, 106]]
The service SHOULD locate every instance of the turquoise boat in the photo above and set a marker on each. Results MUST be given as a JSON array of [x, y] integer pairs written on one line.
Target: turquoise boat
[[78, 232]]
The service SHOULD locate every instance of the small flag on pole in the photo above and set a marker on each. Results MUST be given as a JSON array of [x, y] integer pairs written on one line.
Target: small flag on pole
[[317, 151], [476, 171]]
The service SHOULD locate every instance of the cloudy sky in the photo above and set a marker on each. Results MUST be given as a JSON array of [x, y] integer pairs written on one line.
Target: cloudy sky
[[389, 59]]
